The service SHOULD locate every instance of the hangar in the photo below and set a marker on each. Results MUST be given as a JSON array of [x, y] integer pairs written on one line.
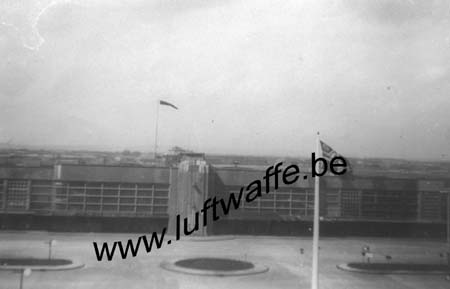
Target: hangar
[[69, 197]]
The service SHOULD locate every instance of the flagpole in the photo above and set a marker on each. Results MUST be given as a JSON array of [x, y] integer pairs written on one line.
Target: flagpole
[[156, 128], [315, 252]]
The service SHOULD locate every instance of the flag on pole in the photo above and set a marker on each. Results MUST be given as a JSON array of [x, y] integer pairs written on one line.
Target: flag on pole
[[162, 102], [329, 153]]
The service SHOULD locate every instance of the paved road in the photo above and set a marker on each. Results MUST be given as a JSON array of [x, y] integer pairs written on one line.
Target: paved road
[[288, 268]]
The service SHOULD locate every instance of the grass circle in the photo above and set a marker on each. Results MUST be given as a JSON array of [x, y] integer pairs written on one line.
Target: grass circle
[[211, 266], [396, 268], [38, 264], [33, 262]]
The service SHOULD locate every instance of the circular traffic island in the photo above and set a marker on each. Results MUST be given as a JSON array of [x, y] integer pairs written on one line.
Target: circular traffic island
[[209, 266], [396, 268], [38, 264]]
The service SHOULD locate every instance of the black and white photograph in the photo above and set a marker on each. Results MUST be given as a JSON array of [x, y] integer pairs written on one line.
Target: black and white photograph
[[244, 144]]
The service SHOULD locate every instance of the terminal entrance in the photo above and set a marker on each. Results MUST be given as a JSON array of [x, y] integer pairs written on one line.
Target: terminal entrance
[[188, 192]]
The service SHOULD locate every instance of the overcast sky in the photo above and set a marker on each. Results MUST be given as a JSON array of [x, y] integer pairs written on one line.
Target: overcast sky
[[250, 77]]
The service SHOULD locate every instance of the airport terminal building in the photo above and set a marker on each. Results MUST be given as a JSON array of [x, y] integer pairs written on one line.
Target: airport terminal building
[[68, 197]]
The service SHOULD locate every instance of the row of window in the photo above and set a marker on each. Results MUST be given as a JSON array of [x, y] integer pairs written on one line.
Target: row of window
[[384, 205], [85, 198], [152, 199]]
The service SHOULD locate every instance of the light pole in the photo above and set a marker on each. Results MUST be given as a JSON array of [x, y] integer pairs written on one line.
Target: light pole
[[156, 127], [24, 272], [50, 244]]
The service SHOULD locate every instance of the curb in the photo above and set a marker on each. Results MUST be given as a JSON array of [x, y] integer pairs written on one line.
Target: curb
[[207, 238], [170, 266], [345, 267], [74, 265]]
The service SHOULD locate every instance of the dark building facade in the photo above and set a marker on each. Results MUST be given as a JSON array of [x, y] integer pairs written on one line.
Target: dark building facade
[[118, 198]]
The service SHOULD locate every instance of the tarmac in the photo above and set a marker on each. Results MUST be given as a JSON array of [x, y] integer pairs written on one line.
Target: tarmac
[[288, 266]]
